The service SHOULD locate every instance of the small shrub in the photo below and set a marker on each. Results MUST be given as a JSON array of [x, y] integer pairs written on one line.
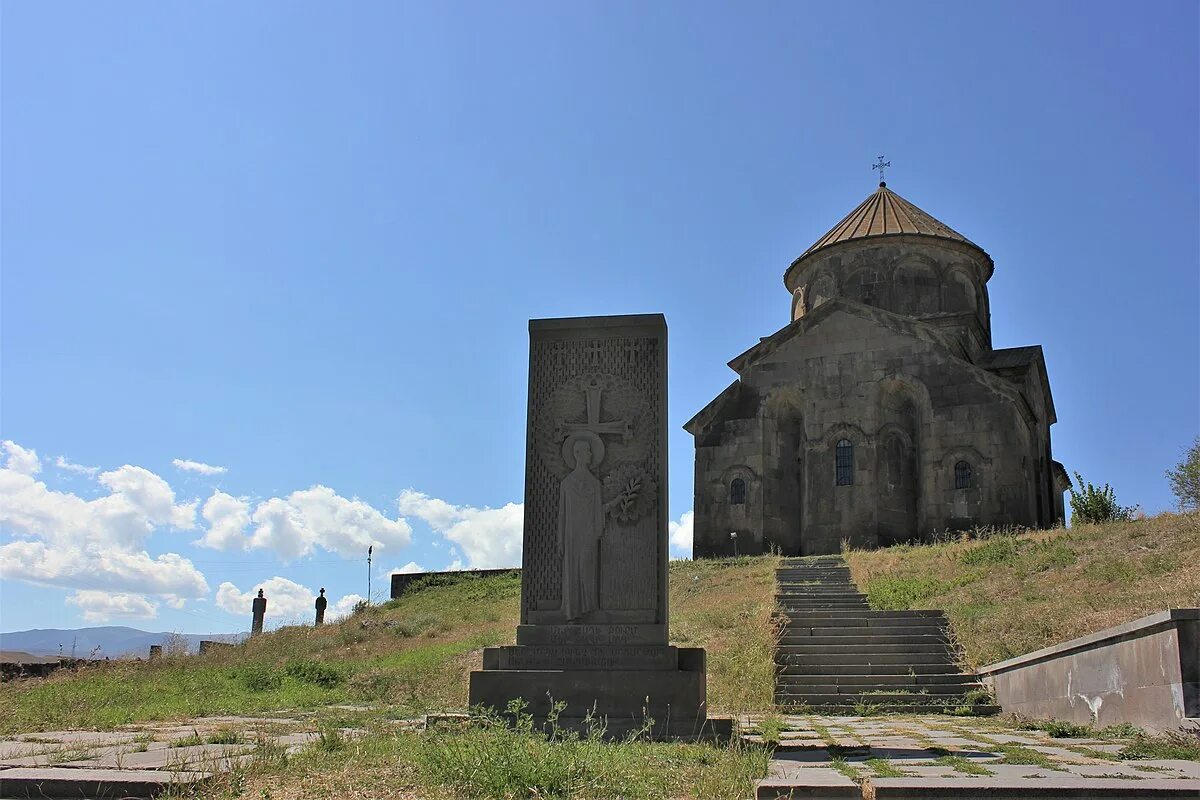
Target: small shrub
[[1093, 504], [1060, 729], [330, 739], [373, 684], [1176, 745], [1185, 479], [259, 678], [771, 728], [316, 673], [417, 624]]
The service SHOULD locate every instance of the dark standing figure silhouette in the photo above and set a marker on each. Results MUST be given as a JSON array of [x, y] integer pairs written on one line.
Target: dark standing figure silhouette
[[260, 611], [321, 603]]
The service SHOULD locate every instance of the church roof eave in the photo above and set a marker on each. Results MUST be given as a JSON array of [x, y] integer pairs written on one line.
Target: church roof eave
[[896, 322]]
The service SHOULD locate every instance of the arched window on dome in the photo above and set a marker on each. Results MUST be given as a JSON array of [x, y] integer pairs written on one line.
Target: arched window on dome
[[844, 461], [737, 492], [963, 476]]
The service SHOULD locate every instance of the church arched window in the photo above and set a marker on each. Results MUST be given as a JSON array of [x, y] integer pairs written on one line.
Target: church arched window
[[737, 492], [844, 460], [962, 475]]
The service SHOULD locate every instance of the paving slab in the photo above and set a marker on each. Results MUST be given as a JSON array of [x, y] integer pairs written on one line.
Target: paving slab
[[60, 782], [1057, 787], [166, 757], [1109, 769], [1190, 769], [21, 749], [1063, 754], [1011, 738], [811, 783], [91, 738]]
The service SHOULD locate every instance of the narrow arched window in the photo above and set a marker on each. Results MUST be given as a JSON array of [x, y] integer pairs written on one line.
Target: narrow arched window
[[962, 475], [737, 492], [844, 457]]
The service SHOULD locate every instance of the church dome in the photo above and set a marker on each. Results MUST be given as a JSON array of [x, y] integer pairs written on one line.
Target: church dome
[[885, 213]]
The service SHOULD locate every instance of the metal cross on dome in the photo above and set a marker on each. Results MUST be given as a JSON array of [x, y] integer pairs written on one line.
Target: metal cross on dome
[[880, 167]]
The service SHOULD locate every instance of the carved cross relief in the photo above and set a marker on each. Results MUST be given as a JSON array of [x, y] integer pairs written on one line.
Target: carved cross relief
[[593, 391]]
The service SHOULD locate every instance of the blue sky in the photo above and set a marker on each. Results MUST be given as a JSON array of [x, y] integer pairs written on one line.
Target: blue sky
[[301, 242]]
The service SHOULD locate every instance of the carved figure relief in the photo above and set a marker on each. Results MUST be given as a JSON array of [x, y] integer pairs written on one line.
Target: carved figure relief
[[593, 435]]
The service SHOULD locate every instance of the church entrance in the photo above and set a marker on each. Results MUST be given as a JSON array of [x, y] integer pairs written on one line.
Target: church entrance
[[898, 491]]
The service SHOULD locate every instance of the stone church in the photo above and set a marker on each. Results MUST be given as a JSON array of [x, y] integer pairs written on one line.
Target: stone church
[[881, 413]]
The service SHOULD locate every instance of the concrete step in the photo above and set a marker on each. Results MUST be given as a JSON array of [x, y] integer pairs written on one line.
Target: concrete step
[[788, 655], [879, 678], [796, 648], [783, 695], [1056, 785], [872, 614], [814, 603], [928, 629], [790, 686], [852, 709], [860, 622], [885, 665], [882, 643]]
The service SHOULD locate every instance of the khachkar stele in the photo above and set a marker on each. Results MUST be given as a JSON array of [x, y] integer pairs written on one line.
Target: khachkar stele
[[593, 630]]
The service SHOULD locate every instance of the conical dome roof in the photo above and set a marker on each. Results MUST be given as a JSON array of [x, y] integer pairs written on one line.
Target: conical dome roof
[[885, 213]]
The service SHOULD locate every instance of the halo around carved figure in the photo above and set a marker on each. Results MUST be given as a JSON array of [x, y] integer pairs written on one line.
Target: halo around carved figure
[[596, 443]]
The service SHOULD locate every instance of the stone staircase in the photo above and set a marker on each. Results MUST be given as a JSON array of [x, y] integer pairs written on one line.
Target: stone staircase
[[838, 656]]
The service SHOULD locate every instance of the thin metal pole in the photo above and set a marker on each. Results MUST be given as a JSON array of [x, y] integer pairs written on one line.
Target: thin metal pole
[[369, 549]]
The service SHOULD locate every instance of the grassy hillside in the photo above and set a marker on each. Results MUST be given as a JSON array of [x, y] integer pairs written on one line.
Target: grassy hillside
[[409, 656], [1010, 594]]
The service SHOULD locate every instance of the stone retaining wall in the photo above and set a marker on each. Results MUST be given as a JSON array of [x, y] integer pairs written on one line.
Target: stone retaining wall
[[1145, 672]]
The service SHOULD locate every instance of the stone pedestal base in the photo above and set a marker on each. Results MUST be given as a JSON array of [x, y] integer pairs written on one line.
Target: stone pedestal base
[[624, 687]]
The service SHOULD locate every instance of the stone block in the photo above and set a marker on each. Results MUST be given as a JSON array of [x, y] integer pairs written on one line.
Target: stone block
[[581, 657], [63, 782]]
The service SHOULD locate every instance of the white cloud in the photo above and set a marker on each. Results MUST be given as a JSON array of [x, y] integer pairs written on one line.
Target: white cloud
[[410, 568], [69, 466], [198, 467], [680, 534], [227, 518], [319, 517], [62, 539], [90, 567], [489, 537], [286, 600], [345, 606], [105, 606], [20, 460]]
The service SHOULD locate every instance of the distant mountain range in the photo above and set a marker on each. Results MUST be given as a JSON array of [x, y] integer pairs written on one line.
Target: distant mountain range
[[109, 640]]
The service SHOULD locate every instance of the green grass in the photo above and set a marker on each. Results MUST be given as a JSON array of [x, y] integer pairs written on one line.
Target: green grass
[[1007, 593], [489, 759], [409, 656]]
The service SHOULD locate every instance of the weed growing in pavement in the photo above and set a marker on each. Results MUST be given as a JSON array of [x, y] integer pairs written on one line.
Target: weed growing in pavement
[[1180, 745], [884, 768], [964, 765]]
